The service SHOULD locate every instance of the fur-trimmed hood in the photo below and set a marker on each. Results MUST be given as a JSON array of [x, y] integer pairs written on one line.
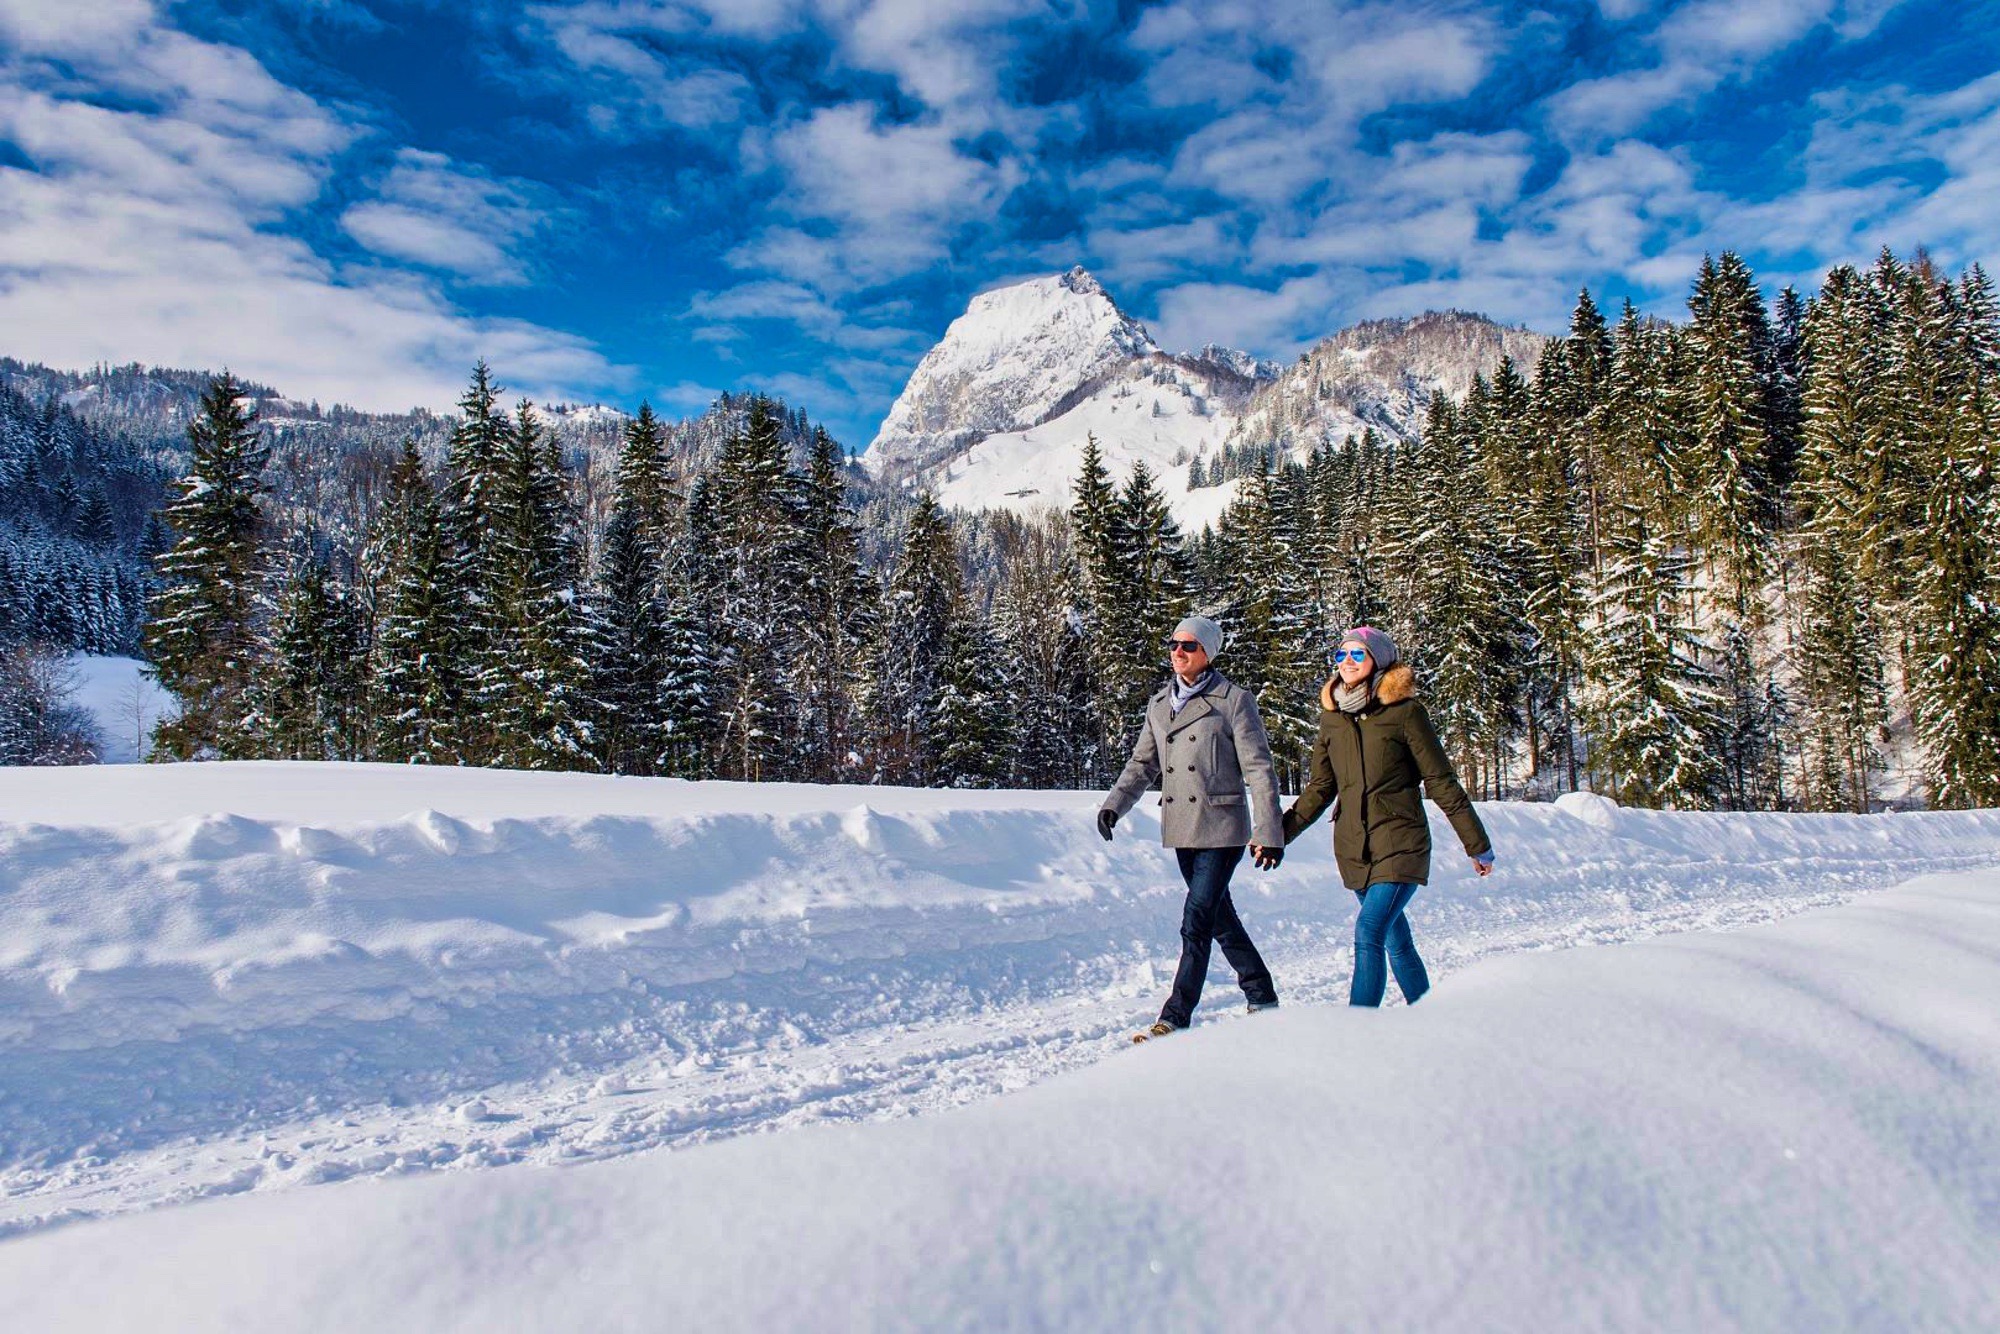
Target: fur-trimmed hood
[[1393, 684]]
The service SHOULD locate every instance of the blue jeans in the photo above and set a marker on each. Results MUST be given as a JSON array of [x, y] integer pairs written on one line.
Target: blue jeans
[[1209, 916], [1382, 926]]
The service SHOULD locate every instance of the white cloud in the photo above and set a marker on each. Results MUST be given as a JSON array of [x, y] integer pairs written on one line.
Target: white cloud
[[638, 79], [436, 213], [887, 198], [150, 228], [1273, 322]]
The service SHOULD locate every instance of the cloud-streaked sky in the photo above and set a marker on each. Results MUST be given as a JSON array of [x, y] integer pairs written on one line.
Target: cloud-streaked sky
[[617, 199]]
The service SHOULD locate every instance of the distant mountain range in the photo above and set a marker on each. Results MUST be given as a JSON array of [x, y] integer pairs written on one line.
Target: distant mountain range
[[996, 415]]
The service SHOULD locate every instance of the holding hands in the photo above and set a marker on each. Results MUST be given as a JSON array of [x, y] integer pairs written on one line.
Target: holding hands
[[1266, 859]]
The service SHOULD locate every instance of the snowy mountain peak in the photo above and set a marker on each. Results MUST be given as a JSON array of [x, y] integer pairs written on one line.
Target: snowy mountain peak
[[1012, 360]]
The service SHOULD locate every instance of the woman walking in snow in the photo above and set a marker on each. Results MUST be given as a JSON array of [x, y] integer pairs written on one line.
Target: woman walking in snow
[[1203, 742], [1375, 745]]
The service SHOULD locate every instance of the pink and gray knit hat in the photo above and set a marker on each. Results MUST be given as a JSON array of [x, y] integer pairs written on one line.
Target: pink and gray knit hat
[[1380, 647]]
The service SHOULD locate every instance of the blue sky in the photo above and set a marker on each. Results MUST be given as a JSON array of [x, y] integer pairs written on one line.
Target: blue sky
[[626, 199]]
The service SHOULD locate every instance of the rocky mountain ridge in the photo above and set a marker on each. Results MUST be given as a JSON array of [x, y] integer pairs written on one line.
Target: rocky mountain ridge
[[997, 413]]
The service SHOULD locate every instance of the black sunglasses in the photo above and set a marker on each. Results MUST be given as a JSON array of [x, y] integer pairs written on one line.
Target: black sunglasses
[[1184, 646]]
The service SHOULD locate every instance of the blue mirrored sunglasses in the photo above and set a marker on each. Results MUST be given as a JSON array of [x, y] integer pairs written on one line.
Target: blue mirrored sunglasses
[[1341, 655]]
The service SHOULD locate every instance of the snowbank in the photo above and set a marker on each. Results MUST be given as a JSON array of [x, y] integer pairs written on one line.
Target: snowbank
[[255, 977], [1787, 1127]]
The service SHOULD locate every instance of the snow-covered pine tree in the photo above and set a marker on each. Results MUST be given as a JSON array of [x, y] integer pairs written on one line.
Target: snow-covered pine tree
[[1591, 352], [643, 479], [1651, 710], [533, 680], [475, 458], [838, 607], [906, 670], [692, 598], [1837, 653], [312, 690], [1267, 644], [1955, 628], [1154, 579], [420, 655], [1462, 616], [757, 511], [202, 639], [625, 638], [972, 716], [1038, 620], [1095, 525]]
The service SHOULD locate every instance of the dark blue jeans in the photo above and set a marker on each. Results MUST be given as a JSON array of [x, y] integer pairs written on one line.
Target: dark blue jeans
[[1209, 916], [1382, 926]]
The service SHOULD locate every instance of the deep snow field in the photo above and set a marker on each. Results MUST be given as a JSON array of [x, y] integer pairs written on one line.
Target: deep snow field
[[340, 992]]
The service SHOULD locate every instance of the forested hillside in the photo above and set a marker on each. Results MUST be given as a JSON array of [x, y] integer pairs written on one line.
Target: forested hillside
[[1743, 559]]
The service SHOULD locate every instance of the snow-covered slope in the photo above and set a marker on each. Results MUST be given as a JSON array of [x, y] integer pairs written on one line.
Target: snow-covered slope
[[1787, 1128], [1161, 411], [223, 978], [997, 414], [1381, 375]]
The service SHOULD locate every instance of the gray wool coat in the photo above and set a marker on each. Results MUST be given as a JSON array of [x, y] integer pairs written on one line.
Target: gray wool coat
[[1202, 759]]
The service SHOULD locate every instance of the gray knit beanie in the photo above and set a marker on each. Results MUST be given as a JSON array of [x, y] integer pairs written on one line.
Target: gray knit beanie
[[1202, 629], [1380, 647]]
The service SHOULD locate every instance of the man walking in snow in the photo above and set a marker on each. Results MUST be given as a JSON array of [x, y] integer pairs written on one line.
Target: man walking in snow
[[1202, 744]]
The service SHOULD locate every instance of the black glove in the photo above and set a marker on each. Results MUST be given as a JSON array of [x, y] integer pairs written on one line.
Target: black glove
[[1268, 859], [1105, 819]]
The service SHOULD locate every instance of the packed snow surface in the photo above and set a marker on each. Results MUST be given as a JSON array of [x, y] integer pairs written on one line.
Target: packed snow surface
[[257, 979]]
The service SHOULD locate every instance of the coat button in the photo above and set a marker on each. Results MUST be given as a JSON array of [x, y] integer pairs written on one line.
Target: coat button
[[1167, 801], [1170, 768]]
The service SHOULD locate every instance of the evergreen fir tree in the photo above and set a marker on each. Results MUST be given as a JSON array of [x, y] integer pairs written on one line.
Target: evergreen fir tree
[[1837, 653], [420, 656], [692, 599], [977, 686], [1955, 676], [202, 639], [758, 607], [533, 680], [626, 638], [837, 611], [1651, 710], [907, 670], [312, 690], [475, 459]]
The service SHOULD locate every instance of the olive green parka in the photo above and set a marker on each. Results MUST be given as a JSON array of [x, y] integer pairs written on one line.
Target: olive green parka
[[1369, 765]]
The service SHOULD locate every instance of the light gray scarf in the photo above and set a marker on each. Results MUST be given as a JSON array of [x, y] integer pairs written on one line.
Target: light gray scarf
[[1183, 692], [1354, 698]]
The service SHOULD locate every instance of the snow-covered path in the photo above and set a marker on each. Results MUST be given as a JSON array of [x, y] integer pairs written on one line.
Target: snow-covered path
[[232, 978], [1788, 1127]]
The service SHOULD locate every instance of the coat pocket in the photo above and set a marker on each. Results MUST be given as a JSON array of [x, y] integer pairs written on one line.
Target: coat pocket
[[1224, 798]]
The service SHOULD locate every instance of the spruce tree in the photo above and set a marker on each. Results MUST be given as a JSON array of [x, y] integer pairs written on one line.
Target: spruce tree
[[421, 657], [836, 621], [312, 689], [626, 640], [533, 679], [973, 712], [1955, 676], [202, 639], [758, 568], [475, 459], [907, 668], [1651, 710], [1838, 659]]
